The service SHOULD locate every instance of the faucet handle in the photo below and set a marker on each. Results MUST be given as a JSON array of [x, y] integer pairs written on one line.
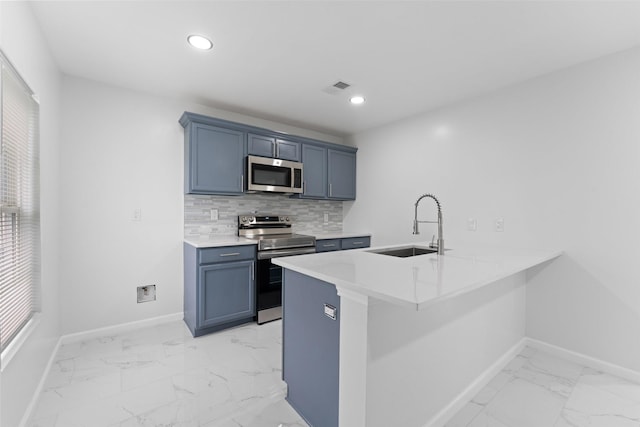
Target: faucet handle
[[433, 244]]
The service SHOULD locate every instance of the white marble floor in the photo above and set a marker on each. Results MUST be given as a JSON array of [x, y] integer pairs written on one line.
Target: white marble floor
[[539, 390], [161, 376]]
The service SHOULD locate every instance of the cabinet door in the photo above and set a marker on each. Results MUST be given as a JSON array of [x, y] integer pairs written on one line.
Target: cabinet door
[[259, 145], [216, 160], [288, 150], [342, 175], [315, 171], [226, 292]]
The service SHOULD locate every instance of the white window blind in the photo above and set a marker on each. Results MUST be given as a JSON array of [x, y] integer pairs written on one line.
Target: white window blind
[[19, 204]]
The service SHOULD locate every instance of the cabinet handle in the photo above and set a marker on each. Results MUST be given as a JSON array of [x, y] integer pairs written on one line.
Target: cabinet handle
[[231, 254], [253, 271], [304, 185], [276, 150], [358, 243], [330, 190], [242, 183], [328, 245]]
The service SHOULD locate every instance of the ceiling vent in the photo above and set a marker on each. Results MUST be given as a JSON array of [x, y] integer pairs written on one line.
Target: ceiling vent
[[336, 88]]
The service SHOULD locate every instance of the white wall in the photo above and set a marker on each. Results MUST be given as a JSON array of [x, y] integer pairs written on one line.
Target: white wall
[[558, 158], [121, 151], [419, 361], [22, 42]]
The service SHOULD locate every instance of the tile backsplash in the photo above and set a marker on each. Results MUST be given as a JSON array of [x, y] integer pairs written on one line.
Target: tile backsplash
[[308, 215]]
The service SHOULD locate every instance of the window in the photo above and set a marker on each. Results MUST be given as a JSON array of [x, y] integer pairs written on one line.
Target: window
[[19, 204]]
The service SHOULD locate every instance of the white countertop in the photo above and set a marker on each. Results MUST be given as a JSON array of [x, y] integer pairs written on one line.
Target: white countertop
[[230, 240], [418, 281], [219, 241]]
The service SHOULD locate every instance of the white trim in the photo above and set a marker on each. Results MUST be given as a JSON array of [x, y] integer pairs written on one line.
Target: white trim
[[582, 359], [352, 295], [118, 329], [15, 344], [36, 395], [442, 417], [446, 413], [80, 336]]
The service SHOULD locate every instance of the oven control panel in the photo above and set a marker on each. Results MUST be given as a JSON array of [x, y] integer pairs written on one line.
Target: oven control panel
[[253, 221]]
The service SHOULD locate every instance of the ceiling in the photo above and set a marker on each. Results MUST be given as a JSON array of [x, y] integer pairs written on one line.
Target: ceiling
[[276, 59]]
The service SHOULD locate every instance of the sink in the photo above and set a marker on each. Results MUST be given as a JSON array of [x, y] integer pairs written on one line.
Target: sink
[[404, 252]]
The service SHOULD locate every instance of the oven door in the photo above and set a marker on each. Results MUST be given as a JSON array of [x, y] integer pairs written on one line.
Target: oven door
[[269, 283]]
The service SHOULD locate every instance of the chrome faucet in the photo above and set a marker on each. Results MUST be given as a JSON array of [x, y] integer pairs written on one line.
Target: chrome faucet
[[440, 243]]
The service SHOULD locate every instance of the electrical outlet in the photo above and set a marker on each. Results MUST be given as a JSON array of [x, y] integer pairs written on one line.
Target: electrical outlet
[[146, 293], [214, 214], [472, 224], [137, 214], [499, 226], [326, 217]]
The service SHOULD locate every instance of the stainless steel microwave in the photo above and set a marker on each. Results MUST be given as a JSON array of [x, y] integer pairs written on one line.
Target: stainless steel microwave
[[274, 175]]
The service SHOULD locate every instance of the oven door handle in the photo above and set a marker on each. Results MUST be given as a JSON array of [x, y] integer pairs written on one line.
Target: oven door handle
[[285, 252]]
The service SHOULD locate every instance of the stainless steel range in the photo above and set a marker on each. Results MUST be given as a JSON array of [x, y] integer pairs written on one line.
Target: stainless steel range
[[275, 239]]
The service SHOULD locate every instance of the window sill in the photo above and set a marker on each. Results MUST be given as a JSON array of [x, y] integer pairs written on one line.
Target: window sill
[[15, 345]]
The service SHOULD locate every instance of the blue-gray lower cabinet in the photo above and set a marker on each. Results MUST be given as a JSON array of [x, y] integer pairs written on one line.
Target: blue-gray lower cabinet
[[219, 287], [328, 245], [311, 348]]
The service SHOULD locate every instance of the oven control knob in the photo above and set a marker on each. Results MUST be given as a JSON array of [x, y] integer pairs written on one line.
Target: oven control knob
[[244, 219], [252, 219], [287, 219]]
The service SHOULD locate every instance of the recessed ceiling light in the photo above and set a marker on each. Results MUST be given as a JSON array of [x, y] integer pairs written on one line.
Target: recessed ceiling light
[[357, 99], [199, 42]]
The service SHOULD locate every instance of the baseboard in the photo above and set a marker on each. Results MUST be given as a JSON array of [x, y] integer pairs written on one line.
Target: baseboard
[[36, 394], [469, 393], [579, 358], [93, 333], [442, 417], [120, 328]]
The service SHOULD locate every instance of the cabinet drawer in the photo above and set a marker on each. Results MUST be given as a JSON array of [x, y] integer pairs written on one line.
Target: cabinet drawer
[[356, 242], [328, 245], [226, 253]]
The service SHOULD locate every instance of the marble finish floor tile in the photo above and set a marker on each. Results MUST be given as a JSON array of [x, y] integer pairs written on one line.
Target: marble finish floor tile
[[537, 389], [162, 376]]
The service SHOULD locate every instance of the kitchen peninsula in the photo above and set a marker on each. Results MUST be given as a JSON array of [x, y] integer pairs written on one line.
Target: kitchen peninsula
[[376, 340]]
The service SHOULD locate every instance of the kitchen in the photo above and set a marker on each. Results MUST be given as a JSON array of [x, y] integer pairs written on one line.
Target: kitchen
[[554, 155]]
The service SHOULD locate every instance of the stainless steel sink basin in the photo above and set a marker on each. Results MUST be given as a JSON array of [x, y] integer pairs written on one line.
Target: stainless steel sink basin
[[404, 252]]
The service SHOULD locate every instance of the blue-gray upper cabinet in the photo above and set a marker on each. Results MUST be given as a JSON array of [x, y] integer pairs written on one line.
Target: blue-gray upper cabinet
[[314, 159], [329, 173], [267, 146], [214, 159], [342, 174]]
